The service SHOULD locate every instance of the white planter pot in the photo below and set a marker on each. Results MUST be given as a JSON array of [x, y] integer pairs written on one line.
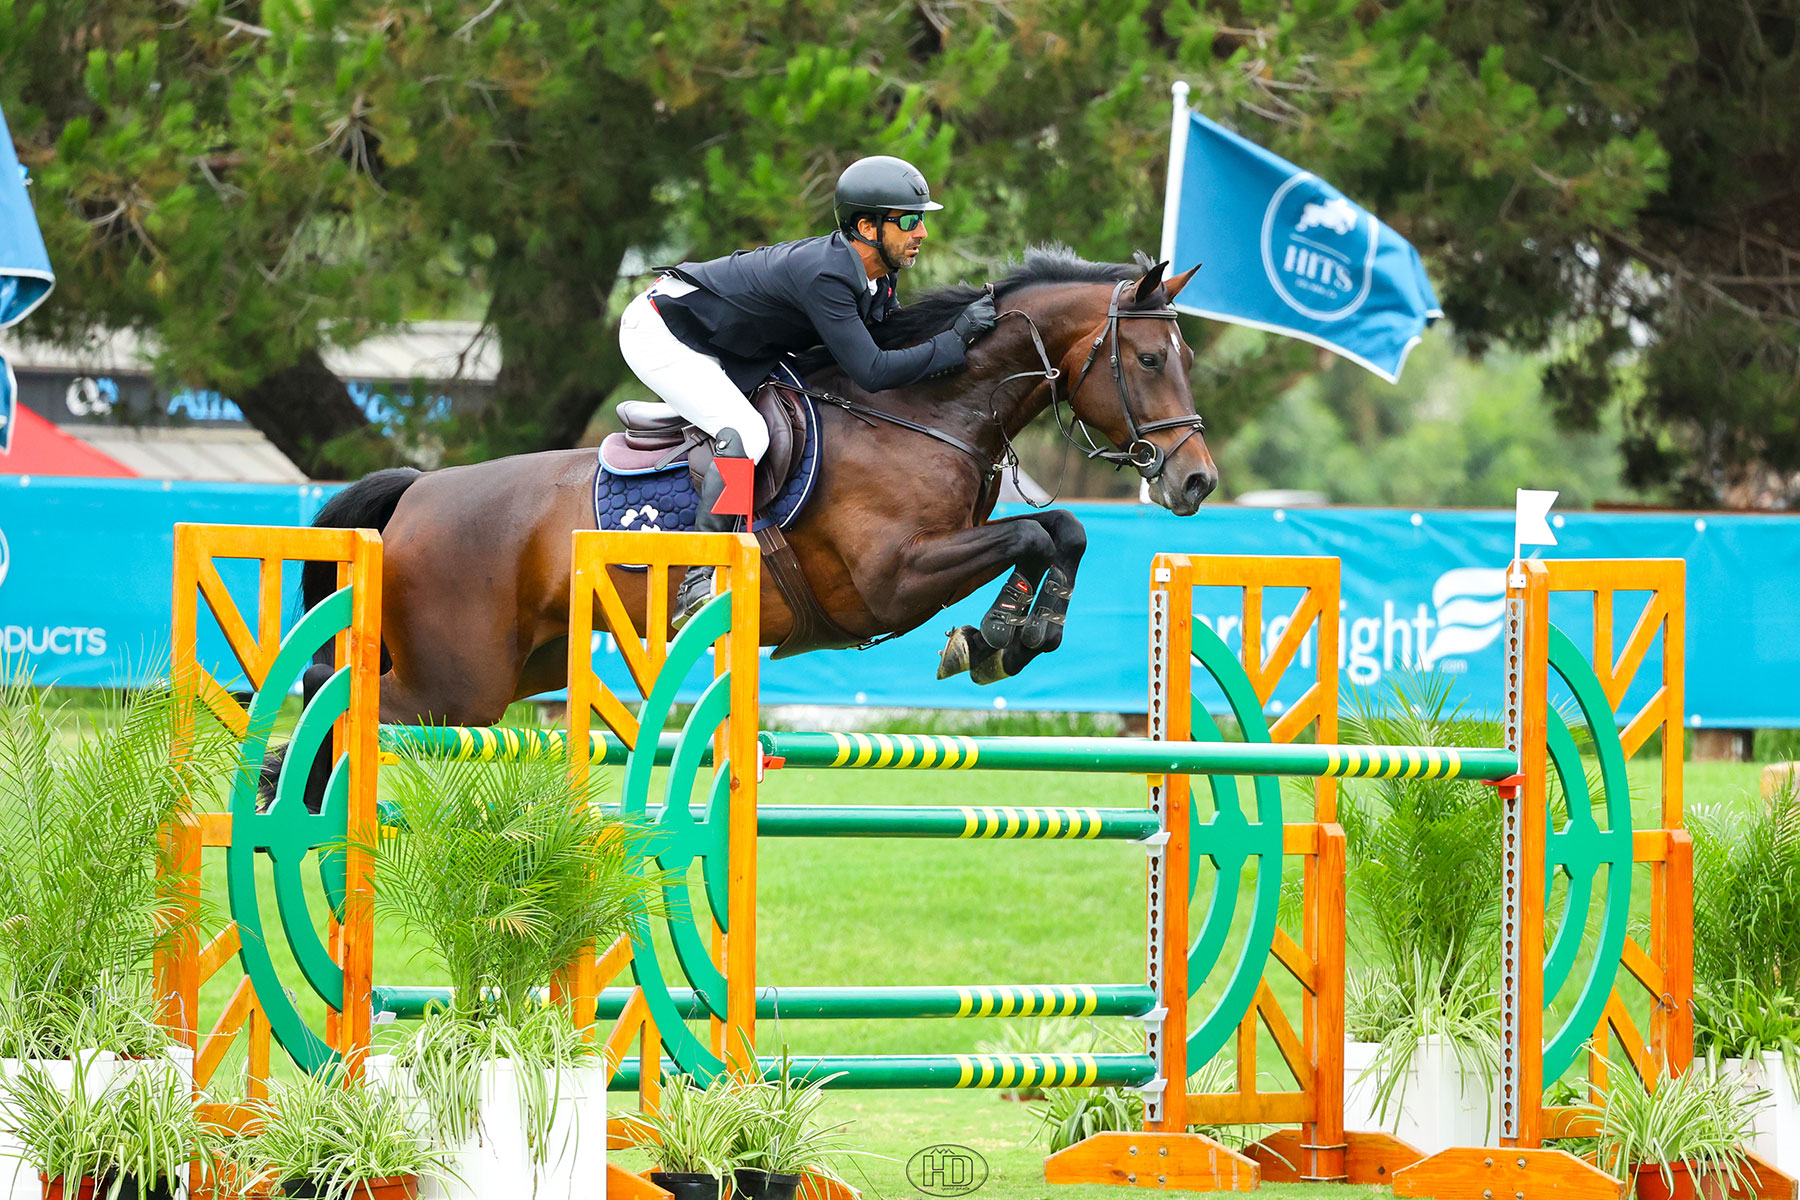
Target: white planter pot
[[1436, 1105], [1778, 1123], [495, 1160], [18, 1178]]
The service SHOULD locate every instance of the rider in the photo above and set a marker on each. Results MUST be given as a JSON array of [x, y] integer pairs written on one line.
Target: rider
[[707, 333]]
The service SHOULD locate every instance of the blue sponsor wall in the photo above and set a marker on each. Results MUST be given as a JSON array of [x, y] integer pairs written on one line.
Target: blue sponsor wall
[[85, 592]]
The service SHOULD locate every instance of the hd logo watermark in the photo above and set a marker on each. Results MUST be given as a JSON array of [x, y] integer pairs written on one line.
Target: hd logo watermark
[[946, 1170]]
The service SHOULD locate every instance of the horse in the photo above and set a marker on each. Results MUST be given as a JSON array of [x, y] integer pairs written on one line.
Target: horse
[[476, 558]]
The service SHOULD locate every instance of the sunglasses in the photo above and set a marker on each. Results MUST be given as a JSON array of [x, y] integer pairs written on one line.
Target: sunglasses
[[907, 221]]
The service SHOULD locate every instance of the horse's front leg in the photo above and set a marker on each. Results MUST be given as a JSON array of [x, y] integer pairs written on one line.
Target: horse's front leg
[[929, 572], [1027, 619]]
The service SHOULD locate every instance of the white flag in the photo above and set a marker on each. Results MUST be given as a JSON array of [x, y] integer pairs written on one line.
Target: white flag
[[1531, 526]]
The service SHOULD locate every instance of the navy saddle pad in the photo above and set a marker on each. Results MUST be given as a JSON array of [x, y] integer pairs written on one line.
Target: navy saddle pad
[[639, 495]]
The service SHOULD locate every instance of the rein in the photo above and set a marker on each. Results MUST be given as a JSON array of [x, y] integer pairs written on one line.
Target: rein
[[1146, 456]]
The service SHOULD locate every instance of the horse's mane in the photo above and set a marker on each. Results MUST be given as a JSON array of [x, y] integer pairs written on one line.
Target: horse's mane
[[935, 312]]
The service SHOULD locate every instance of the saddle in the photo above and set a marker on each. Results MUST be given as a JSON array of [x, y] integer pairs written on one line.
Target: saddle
[[657, 441], [657, 438]]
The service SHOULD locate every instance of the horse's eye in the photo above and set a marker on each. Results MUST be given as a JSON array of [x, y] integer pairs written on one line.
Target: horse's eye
[[1150, 361]]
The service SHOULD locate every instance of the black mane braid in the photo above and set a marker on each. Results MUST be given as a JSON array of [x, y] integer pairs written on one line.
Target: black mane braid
[[935, 312]]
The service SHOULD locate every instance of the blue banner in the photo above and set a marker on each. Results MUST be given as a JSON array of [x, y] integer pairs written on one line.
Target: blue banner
[[85, 592], [1282, 250], [25, 277]]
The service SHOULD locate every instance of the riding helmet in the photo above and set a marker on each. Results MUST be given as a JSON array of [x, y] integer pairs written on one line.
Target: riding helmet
[[879, 185]]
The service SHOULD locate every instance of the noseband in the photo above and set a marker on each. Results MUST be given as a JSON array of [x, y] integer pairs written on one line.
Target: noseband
[[1141, 453]]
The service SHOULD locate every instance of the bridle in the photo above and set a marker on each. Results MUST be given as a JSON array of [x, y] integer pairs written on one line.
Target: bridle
[[1141, 452], [1146, 456]]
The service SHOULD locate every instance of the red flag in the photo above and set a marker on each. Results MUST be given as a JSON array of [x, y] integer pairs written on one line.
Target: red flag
[[739, 495]]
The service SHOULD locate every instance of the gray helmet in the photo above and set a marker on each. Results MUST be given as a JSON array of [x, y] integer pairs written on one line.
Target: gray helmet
[[875, 186]]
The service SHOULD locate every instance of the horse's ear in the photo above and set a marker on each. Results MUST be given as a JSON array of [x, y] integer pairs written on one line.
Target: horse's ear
[[1174, 286], [1146, 287]]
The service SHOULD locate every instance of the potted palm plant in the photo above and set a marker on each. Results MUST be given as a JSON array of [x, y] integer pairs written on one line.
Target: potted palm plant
[[321, 1136], [1747, 960], [692, 1135], [507, 871], [1423, 864], [77, 791], [139, 1139]]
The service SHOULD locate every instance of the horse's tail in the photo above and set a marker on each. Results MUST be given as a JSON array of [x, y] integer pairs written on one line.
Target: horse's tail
[[368, 503]]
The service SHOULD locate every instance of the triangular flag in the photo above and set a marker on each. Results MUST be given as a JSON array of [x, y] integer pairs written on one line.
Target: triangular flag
[[1531, 525]]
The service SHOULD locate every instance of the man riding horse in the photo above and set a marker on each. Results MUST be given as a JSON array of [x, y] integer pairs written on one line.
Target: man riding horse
[[915, 420], [706, 333]]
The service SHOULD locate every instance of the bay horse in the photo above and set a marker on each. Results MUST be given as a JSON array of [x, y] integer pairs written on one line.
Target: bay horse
[[476, 559]]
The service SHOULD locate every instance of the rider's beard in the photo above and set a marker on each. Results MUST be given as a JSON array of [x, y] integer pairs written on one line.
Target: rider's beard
[[894, 265]]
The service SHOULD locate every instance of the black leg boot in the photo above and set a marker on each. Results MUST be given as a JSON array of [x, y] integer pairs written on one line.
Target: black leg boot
[[697, 585]]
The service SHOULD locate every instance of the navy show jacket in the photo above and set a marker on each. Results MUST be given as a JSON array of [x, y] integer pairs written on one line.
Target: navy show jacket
[[757, 306]]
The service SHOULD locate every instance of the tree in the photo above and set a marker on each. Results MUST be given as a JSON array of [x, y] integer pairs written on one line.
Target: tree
[[1611, 183]]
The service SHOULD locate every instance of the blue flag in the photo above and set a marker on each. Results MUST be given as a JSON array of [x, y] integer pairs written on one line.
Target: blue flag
[[1283, 250], [25, 277]]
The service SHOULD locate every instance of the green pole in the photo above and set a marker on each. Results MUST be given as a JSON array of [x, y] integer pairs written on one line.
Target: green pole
[[1132, 756], [839, 1003], [798, 821], [852, 1071], [487, 744]]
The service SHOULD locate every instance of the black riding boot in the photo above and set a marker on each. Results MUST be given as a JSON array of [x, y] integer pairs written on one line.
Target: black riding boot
[[697, 585]]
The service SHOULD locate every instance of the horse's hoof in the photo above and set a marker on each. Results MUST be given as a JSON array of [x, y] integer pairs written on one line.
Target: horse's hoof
[[991, 668], [958, 653]]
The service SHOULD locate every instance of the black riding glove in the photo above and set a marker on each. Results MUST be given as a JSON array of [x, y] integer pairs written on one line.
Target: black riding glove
[[975, 320]]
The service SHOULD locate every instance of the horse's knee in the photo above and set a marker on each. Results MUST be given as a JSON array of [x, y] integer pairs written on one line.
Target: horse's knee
[[1067, 531], [1036, 547]]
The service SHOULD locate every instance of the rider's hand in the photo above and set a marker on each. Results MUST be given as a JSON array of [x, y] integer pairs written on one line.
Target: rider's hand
[[975, 320]]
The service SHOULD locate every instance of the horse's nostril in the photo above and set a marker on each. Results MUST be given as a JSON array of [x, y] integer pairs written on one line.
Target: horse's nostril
[[1200, 485]]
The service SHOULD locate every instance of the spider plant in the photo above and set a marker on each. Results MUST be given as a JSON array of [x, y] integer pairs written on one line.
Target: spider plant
[[1423, 868], [1076, 1113], [1073, 1114], [783, 1133], [333, 1137], [82, 905], [1693, 1119], [445, 1056], [695, 1130], [1399, 1009], [141, 1137]]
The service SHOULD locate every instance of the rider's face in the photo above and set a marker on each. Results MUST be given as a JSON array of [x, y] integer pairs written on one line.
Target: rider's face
[[902, 247]]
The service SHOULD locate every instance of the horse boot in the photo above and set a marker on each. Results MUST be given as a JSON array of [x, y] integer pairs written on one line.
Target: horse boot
[[697, 585]]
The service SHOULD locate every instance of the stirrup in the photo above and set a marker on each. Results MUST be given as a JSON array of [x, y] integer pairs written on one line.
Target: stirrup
[[698, 596]]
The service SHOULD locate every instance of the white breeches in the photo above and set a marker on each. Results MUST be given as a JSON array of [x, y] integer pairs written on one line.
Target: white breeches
[[691, 383]]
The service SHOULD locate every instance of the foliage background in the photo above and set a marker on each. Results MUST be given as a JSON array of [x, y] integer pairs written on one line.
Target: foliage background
[[1604, 189]]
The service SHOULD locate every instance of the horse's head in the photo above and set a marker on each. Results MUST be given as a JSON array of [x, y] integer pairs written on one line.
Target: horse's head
[[1133, 387]]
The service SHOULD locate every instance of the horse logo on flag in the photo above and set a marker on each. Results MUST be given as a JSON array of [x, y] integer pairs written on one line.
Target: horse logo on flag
[[1318, 249]]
